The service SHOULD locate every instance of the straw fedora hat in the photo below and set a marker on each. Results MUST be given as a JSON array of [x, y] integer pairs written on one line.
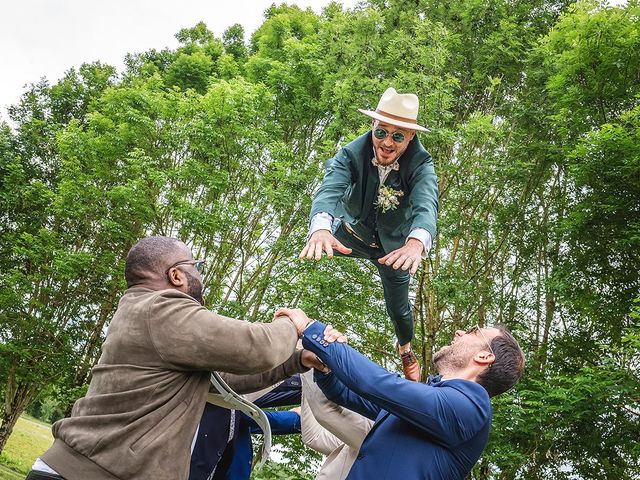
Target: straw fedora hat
[[399, 109]]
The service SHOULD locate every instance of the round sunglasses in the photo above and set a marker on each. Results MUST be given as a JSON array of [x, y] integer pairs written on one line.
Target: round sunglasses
[[381, 134]]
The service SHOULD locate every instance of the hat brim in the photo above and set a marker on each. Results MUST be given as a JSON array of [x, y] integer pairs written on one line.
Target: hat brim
[[393, 121]]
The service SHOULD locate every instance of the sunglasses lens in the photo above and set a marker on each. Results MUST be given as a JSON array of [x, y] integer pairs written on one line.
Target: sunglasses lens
[[200, 266], [379, 133], [398, 137]]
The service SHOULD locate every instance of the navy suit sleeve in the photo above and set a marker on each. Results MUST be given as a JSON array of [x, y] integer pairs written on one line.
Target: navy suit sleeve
[[288, 392], [338, 392], [447, 414]]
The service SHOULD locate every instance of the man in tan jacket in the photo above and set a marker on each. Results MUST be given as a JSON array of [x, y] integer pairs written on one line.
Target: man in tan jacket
[[148, 390]]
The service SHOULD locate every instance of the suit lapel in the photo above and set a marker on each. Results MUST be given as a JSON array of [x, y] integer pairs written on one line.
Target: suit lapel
[[393, 180], [372, 181]]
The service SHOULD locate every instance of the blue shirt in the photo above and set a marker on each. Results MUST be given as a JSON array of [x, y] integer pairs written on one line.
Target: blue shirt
[[421, 431]]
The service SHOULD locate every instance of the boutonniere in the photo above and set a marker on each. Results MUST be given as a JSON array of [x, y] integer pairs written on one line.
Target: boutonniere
[[388, 198]]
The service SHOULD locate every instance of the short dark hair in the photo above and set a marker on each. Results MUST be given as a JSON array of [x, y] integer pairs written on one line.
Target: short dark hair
[[148, 257], [508, 365]]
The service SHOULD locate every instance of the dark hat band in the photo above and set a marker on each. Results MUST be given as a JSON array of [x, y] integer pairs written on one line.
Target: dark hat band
[[396, 117]]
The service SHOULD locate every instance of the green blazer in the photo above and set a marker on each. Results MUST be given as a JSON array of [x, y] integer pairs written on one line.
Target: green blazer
[[350, 189]]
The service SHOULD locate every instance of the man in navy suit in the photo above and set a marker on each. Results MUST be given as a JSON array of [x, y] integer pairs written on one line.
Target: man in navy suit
[[433, 430], [379, 201]]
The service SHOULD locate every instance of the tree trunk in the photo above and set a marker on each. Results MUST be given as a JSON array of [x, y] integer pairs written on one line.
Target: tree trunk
[[16, 399]]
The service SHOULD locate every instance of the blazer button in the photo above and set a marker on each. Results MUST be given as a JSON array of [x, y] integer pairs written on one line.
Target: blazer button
[[314, 336]]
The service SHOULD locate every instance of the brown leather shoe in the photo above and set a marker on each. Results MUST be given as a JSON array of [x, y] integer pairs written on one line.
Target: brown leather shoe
[[410, 366]]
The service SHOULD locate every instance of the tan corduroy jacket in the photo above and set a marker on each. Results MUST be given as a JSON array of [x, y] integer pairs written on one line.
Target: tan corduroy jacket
[[148, 390]]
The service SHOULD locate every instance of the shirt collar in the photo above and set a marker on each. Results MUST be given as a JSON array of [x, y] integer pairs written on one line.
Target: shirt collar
[[394, 166]]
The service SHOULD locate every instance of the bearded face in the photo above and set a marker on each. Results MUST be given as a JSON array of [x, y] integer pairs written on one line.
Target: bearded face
[[452, 357], [194, 286], [464, 346], [386, 149]]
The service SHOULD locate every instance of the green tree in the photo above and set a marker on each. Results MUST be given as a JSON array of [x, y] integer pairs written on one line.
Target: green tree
[[234, 44], [533, 110]]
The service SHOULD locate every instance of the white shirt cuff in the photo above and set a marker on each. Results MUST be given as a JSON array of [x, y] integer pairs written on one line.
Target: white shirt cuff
[[422, 235], [320, 221], [40, 466]]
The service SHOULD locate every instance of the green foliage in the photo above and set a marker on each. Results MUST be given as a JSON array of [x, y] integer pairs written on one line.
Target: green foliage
[[290, 459], [191, 71], [199, 34], [233, 41], [606, 168], [280, 471], [49, 409], [592, 67]]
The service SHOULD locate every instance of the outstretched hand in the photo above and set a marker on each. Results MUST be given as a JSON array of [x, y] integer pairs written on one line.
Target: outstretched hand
[[301, 321], [332, 335], [407, 257], [322, 241], [297, 410], [311, 360], [297, 316]]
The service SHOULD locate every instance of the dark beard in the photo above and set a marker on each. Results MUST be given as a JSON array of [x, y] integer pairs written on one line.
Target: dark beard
[[194, 288], [449, 358], [438, 356]]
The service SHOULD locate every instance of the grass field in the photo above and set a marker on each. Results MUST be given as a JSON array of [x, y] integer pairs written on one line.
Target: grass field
[[8, 474], [29, 439]]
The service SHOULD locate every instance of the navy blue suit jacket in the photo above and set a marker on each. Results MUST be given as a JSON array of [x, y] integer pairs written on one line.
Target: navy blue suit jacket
[[421, 431]]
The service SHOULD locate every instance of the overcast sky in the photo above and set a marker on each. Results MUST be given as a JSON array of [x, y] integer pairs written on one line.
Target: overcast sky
[[44, 38]]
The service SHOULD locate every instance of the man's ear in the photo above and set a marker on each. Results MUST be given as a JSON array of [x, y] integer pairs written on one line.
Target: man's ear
[[176, 277], [484, 357]]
